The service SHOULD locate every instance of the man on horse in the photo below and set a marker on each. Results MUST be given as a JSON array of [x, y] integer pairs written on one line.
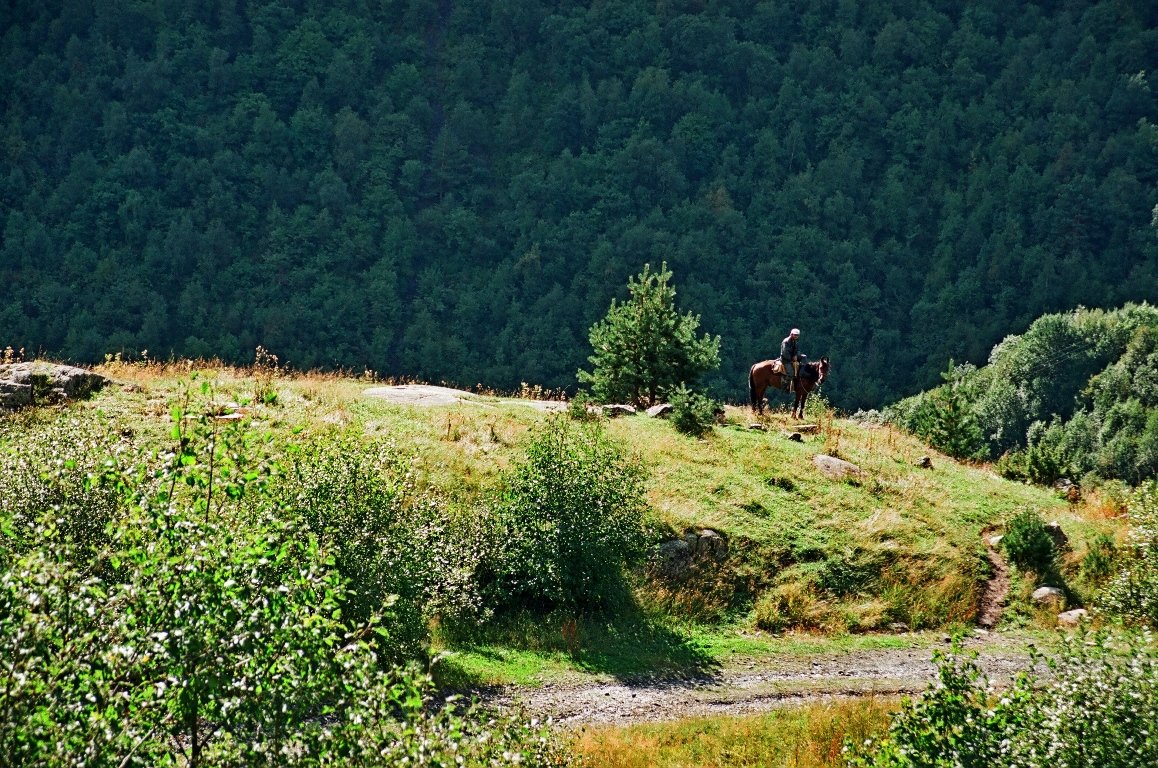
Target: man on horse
[[790, 357]]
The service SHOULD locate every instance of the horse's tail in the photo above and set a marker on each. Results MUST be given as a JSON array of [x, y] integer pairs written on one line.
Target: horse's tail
[[752, 386]]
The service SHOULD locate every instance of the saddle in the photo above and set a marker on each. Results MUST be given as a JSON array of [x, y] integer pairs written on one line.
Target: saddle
[[778, 368]]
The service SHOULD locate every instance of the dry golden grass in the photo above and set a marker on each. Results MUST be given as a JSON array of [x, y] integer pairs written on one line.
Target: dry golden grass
[[811, 736]]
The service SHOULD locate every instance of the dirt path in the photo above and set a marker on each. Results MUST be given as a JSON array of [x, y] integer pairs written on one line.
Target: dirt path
[[758, 685], [427, 395], [996, 589], [746, 687]]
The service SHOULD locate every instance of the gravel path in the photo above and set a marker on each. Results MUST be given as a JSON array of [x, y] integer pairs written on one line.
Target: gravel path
[[744, 687]]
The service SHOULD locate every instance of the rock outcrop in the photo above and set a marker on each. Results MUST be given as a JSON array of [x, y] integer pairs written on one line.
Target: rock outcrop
[[834, 468], [25, 384]]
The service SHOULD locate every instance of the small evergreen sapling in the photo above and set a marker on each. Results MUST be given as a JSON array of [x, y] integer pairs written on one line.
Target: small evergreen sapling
[[644, 348]]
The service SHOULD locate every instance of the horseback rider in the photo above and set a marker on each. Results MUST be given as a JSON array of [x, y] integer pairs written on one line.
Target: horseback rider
[[790, 357]]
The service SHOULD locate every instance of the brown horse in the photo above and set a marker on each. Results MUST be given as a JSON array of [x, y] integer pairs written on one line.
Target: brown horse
[[770, 373]]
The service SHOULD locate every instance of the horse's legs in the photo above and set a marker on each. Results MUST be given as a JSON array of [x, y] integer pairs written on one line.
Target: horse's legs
[[798, 408]]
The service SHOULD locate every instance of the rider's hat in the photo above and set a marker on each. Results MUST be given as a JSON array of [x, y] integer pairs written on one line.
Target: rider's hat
[[794, 332]]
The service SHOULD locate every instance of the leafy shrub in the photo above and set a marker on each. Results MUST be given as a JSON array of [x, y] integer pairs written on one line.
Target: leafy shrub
[[220, 635], [392, 544], [691, 412], [1097, 707], [946, 419], [1133, 593], [1028, 543], [569, 521], [580, 407], [51, 476]]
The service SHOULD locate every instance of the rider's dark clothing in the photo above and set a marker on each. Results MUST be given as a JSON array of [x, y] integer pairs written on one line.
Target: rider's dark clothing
[[789, 354]]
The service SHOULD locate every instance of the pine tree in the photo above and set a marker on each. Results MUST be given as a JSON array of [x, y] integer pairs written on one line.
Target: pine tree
[[644, 348]]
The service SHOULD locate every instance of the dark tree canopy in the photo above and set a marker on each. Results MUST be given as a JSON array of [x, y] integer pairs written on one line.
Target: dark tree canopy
[[456, 190]]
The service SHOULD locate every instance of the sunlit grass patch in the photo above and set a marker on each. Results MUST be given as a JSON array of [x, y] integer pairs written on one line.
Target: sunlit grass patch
[[808, 736]]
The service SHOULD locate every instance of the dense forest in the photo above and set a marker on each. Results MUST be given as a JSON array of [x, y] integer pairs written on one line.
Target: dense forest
[[457, 190], [1075, 396]]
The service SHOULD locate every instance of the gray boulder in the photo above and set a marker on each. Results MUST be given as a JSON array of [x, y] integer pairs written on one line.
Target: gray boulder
[[1072, 618], [23, 384], [675, 557], [834, 468], [712, 545], [661, 411], [612, 411], [1061, 542], [1049, 595]]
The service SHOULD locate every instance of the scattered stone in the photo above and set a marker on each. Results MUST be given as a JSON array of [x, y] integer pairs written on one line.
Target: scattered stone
[[23, 384], [757, 426], [834, 468], [13, 394], [1069, 489], [898, 626], [617, 410], [711, 544], [994, 540], [661, 411], [675, 556], [1061, 542], [1072, 618], [925, 462], [796, 437], [1048, 595], [980, 631]]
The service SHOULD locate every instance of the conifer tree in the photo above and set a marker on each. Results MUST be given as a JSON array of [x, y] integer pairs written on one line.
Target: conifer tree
[[644, 348]]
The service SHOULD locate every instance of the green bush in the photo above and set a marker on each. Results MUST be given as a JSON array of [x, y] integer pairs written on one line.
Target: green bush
[[570, 520], [1028, 543], [50, 476], [221, 632], [1133, 593], [691, 412], [1097, 707], [394, 545], [581, 407]]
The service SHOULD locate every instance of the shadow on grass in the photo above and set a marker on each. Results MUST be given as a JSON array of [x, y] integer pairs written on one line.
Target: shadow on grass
[[628, 646]]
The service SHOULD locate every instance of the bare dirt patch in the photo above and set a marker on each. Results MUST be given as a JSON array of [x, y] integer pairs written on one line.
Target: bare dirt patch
[[428, 395], [744, 687]]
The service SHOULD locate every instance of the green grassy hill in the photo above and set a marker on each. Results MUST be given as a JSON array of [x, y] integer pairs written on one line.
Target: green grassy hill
[[897, 543]]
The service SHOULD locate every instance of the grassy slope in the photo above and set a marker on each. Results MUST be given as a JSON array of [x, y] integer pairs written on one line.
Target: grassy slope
[[901, 543]]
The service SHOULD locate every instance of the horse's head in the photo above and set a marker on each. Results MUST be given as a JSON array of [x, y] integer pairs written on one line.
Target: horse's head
[[822, 370]]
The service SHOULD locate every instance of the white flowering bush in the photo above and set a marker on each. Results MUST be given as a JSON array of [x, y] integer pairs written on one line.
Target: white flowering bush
[[1096, 708], [207, 622], [390, 542], [1133, 594]]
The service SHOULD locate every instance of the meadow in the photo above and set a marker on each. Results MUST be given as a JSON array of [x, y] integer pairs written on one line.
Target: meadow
[[408, 519]]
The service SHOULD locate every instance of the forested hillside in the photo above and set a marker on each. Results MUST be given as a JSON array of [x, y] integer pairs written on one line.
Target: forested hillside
[[1076, 395], [456, 190]]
